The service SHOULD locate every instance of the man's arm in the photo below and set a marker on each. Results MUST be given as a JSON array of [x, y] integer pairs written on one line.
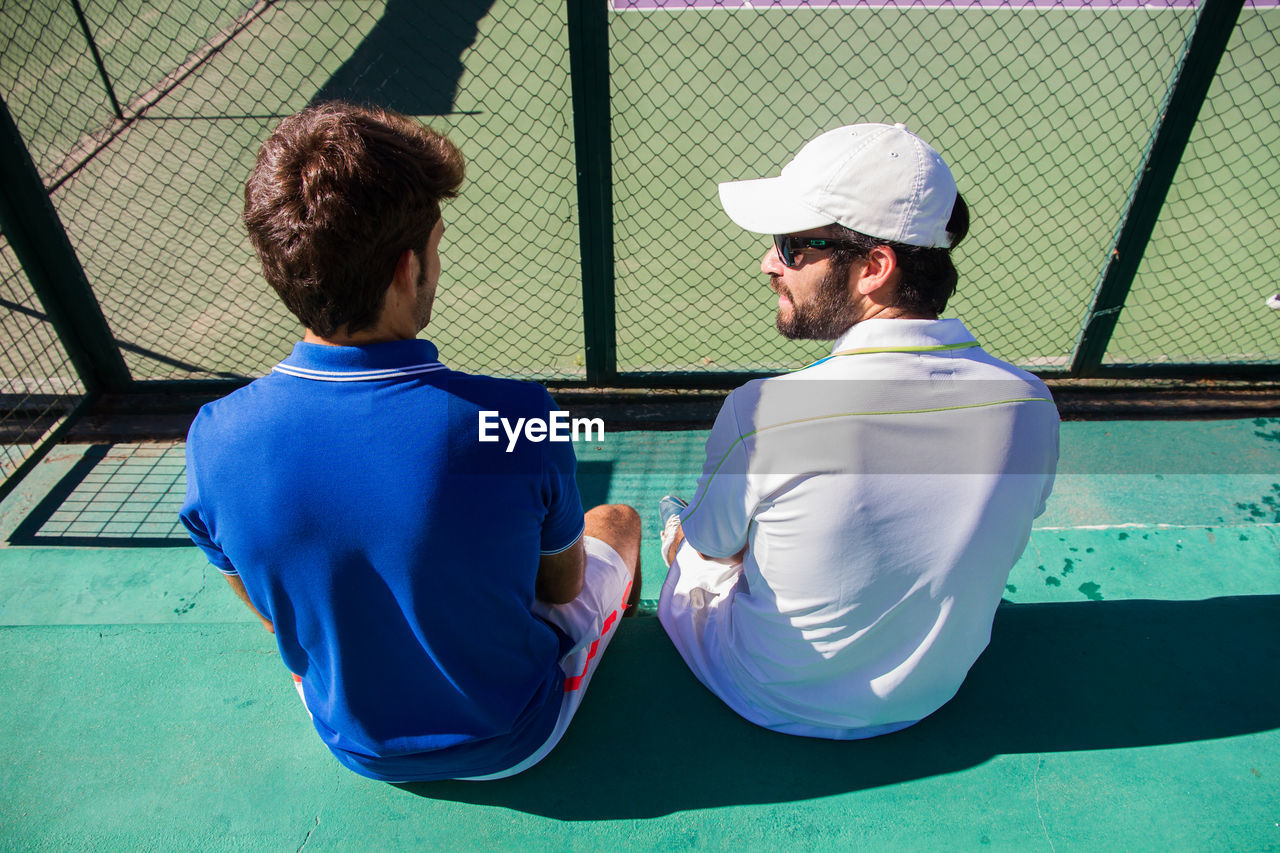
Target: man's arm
[[561, 575], [237, 586], [721, 509]]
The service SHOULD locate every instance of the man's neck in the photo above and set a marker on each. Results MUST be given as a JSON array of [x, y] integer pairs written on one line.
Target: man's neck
[[884, 312], [889, 312], [362, 338]]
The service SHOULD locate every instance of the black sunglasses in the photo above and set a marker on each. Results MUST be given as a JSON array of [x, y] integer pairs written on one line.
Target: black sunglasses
[[788, 247]]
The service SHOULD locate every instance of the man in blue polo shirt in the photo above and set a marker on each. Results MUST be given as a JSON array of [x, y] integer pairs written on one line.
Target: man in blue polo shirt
[[442, 601]]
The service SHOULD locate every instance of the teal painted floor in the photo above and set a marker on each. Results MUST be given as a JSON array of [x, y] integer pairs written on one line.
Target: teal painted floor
[[1130, 699]]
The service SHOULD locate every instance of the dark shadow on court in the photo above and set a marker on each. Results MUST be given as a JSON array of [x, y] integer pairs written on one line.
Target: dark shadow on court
[[593, 482], [109, 502], [650, 740], [411, 61]]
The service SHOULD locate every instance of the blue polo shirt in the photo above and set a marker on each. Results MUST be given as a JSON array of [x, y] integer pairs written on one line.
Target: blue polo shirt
[[394, 552]]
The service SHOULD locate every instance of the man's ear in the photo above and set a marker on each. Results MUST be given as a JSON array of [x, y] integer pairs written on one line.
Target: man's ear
[[877, 272], [404, 275]]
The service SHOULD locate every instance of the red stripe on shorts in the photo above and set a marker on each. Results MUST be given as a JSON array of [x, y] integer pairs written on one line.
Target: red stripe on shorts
[[575, 682]]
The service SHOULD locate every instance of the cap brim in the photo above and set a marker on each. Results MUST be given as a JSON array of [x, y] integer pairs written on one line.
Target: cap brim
[[768, 206]]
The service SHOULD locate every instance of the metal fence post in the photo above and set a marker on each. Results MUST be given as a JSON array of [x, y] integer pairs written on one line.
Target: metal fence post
[[37, 237], [1178, 117], [589, 73]]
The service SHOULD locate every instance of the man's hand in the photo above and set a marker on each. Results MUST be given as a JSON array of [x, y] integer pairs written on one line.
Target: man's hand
[[733, 560], [724, 561]]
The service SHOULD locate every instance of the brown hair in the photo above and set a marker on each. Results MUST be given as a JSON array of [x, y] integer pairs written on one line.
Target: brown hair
[[929, 276], [338, 194]]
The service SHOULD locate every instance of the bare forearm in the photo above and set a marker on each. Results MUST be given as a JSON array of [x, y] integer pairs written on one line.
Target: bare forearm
[[237, 586], [560, 576]]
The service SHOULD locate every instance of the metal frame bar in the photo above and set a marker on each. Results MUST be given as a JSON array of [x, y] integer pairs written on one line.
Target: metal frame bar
[[589, 76], [1188, 370], [707, 381], [38, 239]]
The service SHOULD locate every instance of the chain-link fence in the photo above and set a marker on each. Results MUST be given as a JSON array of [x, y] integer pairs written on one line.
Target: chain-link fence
[[40, 385], [143, 119], [1044, 110], [150, 190], [1213, 259]]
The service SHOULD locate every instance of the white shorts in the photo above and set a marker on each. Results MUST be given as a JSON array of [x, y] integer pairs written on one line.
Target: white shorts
[[694, 609], [696, 595], [590, 620]]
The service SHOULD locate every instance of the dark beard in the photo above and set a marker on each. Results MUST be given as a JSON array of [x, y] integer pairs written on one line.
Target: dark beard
[[826, 316]]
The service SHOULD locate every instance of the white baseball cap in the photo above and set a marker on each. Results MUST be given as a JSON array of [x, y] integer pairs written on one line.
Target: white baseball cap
[[878, 179]]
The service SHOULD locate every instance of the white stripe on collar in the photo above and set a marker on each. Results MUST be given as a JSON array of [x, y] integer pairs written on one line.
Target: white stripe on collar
[[357, 375]]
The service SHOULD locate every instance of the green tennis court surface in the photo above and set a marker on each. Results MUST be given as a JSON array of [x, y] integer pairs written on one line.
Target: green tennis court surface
[[1130, 699]]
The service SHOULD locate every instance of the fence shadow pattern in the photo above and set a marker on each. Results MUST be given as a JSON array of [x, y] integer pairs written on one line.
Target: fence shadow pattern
[[113, 496]]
